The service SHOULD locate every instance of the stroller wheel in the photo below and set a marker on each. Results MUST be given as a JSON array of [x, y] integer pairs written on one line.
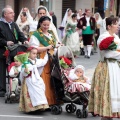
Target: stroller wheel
[[55, 110], [73, 108], [85, 113], [68, 108], [79, 113], [60, 109]]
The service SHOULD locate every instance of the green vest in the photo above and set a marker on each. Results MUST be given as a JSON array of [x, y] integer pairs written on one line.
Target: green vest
[[88, 30]]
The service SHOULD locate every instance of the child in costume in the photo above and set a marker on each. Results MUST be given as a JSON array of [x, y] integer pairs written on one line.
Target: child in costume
[[33, 88], [15, 68], [77, 75]]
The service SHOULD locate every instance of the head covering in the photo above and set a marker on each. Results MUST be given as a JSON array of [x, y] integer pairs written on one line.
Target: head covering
[[63, 24], [100, 18], [72, 74], [29, 17], [52, 26], [81, 67], [47, 13]]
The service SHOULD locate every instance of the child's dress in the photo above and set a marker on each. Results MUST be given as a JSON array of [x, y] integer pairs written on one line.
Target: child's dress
[[33, 88], [14, 69], [78, 86]]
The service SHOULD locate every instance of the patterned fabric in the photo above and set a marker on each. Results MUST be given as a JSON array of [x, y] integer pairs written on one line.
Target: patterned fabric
[[25, 104], [43, 39], [71, 86], [99, 100]]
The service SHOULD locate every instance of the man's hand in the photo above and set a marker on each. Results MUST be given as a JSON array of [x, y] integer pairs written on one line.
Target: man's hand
[[10, 43], [84, 27]]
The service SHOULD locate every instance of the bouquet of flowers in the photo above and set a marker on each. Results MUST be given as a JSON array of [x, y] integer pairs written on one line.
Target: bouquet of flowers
[[65, 62], [108, 44], [23, 58]]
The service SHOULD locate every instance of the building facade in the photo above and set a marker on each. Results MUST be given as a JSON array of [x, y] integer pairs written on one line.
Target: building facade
[[59, 6]]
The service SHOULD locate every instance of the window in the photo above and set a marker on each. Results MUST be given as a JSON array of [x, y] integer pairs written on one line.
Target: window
[[46, 3]]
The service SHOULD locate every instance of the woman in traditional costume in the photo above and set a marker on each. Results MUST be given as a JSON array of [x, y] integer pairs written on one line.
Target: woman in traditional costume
[[24, 24], [44, 39], [71, 38], [66, 18], [104, 95], [32, 96], [29, 17], [98, 22], [24, 20], [42, 11]]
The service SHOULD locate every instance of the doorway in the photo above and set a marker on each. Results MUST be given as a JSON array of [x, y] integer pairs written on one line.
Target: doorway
[[99, 7]]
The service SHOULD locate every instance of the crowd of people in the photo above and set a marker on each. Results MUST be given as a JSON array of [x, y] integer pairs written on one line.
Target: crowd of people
[[40, 34]]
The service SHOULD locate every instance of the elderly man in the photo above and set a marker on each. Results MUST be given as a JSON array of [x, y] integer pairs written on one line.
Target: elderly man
[[9, 35]]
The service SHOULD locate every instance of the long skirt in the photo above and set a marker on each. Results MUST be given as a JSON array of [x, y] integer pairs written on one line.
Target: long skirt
[[99, 99], [25, 104], [46, 76], [73, 43]]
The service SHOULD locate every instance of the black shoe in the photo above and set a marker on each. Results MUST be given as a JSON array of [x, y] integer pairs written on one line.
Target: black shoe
[[88, 57]]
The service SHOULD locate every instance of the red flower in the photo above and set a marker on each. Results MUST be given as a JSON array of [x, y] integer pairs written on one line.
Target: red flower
[[6, 53], [67, 60], [105, 43]]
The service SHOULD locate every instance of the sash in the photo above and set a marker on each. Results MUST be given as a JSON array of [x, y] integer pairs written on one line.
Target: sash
[[43, 39]]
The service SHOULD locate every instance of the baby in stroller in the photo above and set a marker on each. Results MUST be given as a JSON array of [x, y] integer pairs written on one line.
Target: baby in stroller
[[78, 78], [63, 64], [14, 71]]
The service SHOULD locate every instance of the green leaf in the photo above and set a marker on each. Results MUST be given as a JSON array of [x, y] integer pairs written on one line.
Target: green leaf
[[112, 46]]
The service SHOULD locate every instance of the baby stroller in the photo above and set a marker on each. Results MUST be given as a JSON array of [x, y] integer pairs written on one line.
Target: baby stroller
[[61, 85], [12, 51]]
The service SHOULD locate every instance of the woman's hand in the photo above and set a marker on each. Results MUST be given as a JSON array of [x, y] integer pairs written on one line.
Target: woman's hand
[[49, 47]]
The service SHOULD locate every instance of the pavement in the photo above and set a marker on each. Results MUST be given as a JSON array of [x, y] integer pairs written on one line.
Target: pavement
[[10, 110]]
